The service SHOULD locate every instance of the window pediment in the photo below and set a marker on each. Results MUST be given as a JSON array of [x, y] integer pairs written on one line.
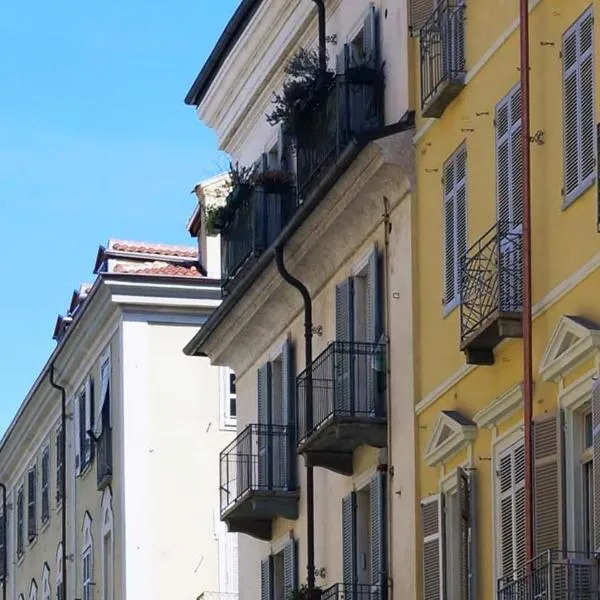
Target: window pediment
[[451, 432], [573, 340]]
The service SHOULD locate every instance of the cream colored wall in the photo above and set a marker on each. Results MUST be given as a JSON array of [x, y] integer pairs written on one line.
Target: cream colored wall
[[171, 446]]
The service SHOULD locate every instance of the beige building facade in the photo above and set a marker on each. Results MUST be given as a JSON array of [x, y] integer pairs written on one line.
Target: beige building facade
[[142, 430]]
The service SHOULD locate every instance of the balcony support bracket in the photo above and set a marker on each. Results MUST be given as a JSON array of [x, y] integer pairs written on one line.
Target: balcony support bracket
[[260, 529], [480, 356], [338, 462]]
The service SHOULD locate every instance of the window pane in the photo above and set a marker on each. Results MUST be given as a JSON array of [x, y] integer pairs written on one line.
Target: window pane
[[588, 430]]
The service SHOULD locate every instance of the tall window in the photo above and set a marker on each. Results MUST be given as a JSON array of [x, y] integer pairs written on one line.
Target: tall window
[[587, 479], [20, 521], [87, 568], [46, 592], [46, 484], [455, 224], [85, 409], [107, 546], [578, 106], [60, 467], [59, 576], [31, 503], [228, 397]]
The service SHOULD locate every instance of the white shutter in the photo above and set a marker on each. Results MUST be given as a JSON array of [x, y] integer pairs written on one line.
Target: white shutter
[[578, 106], [433, 551], [455, 222]]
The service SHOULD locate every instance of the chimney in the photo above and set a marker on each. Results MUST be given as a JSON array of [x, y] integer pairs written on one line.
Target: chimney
[[196, 227]]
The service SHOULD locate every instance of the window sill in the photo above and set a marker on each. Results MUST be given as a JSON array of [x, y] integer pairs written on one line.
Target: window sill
[[577, 193]]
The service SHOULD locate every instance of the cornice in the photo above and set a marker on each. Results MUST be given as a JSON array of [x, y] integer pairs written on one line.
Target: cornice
[[500, 409]]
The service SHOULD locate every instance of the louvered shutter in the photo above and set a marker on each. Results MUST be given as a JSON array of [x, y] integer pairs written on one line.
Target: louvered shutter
[[266, 578], [344, 332], [578, 109], [288, 376], [419, 12], [461, 214], [31, 502], [473, 535], [371, 37], [349, 538], [290, 568], [344, 317], [374, 300], [3, 534], [431, 529], [75, 403], [596, 458], [264, 437], [89, 419], [45, 484], [547, 482], [378, 531], [263, 395], [342, 60], [464, 532]]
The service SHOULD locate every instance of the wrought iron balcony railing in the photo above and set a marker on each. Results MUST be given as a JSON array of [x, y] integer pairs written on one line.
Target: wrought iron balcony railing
[[492, 288], [350, 105], [104, 459], [554, 575], [261, 459], [442, 47], [258, 219], [344, 591]]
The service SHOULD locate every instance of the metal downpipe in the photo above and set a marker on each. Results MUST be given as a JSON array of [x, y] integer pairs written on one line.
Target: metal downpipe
[[63, 483], [527, 344], [310, 496]]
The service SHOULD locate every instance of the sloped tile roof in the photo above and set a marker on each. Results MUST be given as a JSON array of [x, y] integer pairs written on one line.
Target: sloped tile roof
[[158, 268], [150, 248]]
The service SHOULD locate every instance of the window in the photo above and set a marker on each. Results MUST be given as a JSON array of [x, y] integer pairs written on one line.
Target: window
[[587, 495], [455, 224], [31, 503], [84, 423], [362, 48], [46, 591], [46, 484], [228, 398], [59, 574], [578, 107], [20, 521], [279, 573], [510, 508], [103, 431], [87, 569], [107, 546], [87, 574], [3, 536], [60, 467], [33, 590]]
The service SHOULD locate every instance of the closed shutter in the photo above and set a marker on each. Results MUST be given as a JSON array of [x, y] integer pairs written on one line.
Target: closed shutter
[[455, 222], [578, 106], [288, 376], [464, 532], [89, 418], [509, 164], [264, 408], [3, 533], [432, 528], [82, 430], [31, 502], [290, 568], [45, 484], [20, 521], [75, 403], [511, 489], [349, 538], [378, 531], [371, 38], [419, 12], [596, 459], [344, 317], [264, 437], [374, 299], [343, 358], [547, 482], [266, 578], [473, 535], [59, 464]]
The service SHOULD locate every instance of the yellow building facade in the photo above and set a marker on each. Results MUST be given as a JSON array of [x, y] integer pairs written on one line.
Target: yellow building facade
[[468, 295]]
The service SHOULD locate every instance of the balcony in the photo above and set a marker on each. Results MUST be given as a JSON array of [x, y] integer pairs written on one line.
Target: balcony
[[104, 462], [259, 216], [348, 404], [554, 575], [257, 480], [442, 47], [348, 106], [343, 591], [491, 293]]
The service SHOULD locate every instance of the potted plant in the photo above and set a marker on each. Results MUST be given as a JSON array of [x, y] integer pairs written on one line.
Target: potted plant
[[217, 219], [274, 181], [241, 182], [302, 593]]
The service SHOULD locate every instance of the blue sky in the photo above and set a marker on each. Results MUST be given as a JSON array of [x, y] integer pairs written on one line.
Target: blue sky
[[95, 142]]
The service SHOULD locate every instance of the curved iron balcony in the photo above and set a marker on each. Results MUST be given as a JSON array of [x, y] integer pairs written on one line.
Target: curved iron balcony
[[442, 48], [351, 104], [257, 480], [491, 292], [554, 575], [259, 218], [348, 404]]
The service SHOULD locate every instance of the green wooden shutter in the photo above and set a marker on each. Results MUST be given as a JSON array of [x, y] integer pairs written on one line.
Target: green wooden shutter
[[266, 578], [290, 568], [596, 454], [349, 538], [547, 482], [371, 37], [433, 547], [378, 531]]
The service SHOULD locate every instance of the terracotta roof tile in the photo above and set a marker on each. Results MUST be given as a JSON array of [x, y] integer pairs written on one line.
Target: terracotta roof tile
[[149, 248], [159, 269]]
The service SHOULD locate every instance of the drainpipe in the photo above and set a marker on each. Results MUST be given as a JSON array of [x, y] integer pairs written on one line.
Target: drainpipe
[[527, 352], [4, 561], [310, 497], [322, 37], [63, 483]]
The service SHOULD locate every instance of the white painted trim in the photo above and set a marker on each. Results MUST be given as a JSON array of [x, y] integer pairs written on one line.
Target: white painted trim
[[362, 263], [561, 290], [438, 453], [571, 397], [278, 545], [226, 421], [362, 480], [106, 528], [500, 409]]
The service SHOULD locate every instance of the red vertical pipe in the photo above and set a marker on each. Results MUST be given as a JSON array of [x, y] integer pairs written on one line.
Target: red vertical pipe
[[527, 353]]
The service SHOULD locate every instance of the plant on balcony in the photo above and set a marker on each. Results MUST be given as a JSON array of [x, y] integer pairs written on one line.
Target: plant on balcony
[[302, 593], [302, 80], [274, 180]]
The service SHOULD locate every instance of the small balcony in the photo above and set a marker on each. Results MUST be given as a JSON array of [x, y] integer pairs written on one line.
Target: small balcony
[[348, 106], [104, 462], [348, 404], [442, 48], [344, 591], [491, 292], [259, 216], [554, 575], [257, 480]]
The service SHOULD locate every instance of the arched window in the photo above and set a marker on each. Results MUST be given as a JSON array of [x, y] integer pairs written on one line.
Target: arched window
[[33, 590], [108, 583], [21, 597], [46, 593], [59, 580], [87, 558]]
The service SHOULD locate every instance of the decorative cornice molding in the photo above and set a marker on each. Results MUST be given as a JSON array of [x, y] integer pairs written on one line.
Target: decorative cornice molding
[[501, 408], [442, 447]]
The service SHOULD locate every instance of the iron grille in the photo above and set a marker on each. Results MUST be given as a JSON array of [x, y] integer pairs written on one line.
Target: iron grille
[[356, 591], [348, 106], [260, 459], [491, 277], [348, 380], [554, 575], [258, 219], [442, 48]]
